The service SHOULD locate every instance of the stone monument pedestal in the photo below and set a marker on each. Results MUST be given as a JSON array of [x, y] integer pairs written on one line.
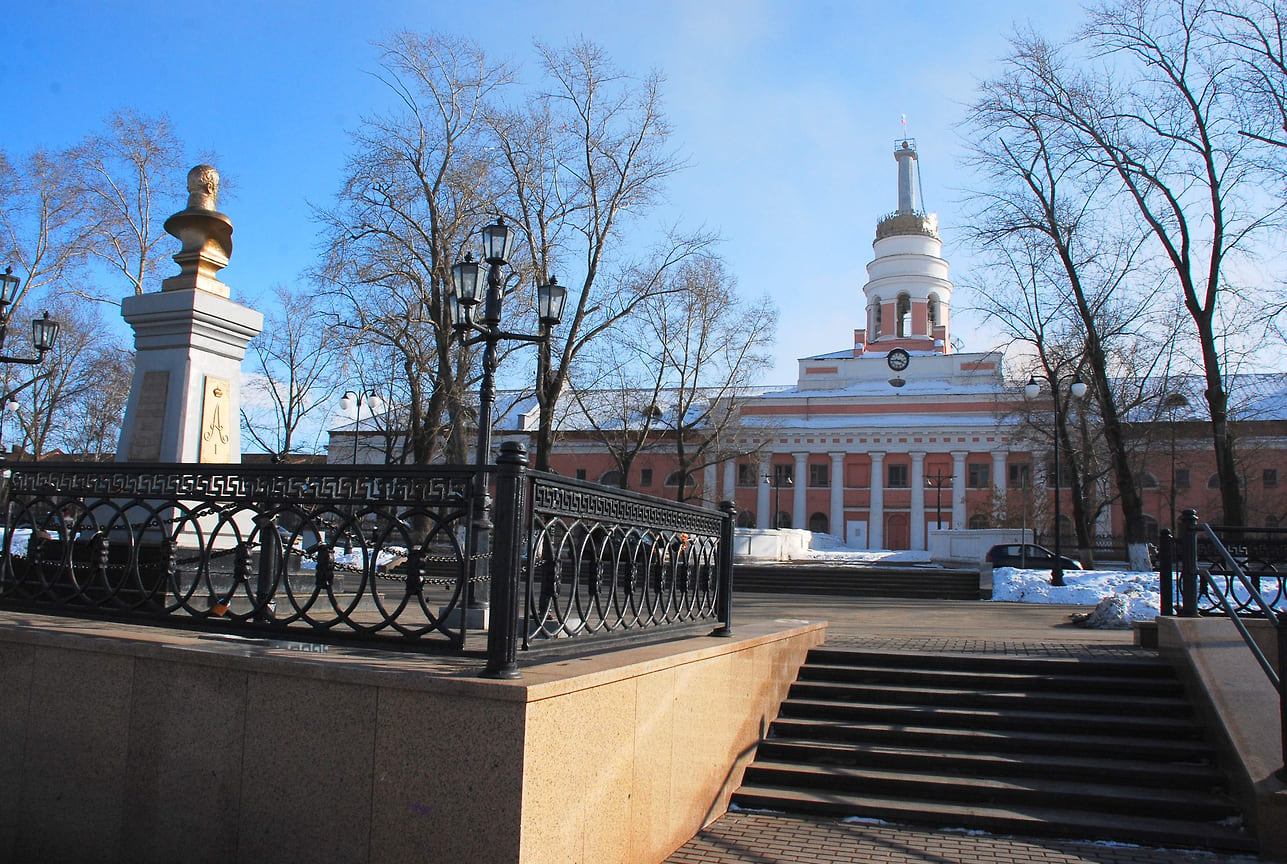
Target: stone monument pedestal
[[190, 339], [184, 402]]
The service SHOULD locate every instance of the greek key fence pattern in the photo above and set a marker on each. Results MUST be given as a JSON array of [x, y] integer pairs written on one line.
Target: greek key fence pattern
[[370, 552]]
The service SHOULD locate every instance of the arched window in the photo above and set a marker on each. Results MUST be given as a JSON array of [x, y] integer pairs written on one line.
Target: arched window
[[746, 519], [1148, 480], [875, 318], [818, 523], [1150, 528], [932, 310], [784, 519], [672, 479], [610, 478], [979, 521], [903, 315], [1213, 482]]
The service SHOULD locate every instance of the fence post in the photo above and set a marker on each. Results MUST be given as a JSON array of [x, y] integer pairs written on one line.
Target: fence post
[[269, 553], [1189, 563], [1282, 691], [724, 597], [1165, 565], [508, 539]]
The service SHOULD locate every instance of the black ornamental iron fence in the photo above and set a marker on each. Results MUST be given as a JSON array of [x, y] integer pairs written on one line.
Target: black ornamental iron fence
[[376, 553], [588, 561], [1234, 572]]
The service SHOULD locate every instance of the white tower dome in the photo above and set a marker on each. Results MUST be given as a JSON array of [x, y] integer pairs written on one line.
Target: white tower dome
[[908, 293]]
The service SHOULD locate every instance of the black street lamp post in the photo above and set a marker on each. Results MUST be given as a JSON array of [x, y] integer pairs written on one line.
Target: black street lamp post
[[43, 330], [780, 478], [462, 300], [355, 399], [1078, 390], [936, 483], [1173, 403]]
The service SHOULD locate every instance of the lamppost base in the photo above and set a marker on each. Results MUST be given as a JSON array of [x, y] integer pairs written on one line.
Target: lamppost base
[[476, 617]]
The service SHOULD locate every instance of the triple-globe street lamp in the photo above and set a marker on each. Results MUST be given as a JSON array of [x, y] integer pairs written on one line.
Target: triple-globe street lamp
[[1032, 390], [476, 320]]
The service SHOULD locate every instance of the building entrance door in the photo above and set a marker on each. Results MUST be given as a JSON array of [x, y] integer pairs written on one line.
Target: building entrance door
[[898, 533]]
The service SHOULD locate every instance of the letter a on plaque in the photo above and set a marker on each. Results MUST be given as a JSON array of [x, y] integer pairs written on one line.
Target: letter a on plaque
[[216, 410]]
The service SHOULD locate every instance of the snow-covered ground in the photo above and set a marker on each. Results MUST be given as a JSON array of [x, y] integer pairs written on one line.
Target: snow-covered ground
[[825, 547], [1118, 598], [1113, 598]]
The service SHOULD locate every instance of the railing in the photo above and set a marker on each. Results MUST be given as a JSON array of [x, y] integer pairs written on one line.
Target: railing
[[375, 552], [1236, 572], [367, 553], [598, 562]]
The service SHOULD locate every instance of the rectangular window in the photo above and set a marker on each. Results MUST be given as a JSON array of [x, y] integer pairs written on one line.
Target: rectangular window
[[783, 474], [1182, 480], [746, 474], [897, 476], [1270, 477], [820, 474], [980, 475], [645, 476], [1020, 476], [580, 473]]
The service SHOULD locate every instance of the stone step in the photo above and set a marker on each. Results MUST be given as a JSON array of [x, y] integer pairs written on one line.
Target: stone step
[[1187, 805], [1084, 723], [1069, 766], [1000, 698], [1014, 819]]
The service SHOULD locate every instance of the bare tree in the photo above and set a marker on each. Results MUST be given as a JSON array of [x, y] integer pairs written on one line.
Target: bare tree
[[713, 346], [581, 157], [1037, 190], [1164, 124], [293, 364], [44, 226], [67, 407], [125, 171], [416, 187]]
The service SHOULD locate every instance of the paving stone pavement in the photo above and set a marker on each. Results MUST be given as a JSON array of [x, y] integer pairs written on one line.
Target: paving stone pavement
[[750, 837], [745, 837]]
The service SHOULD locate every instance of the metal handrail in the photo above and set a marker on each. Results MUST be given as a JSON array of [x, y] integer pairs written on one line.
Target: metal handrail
[[1266, 609], [1193, 576]]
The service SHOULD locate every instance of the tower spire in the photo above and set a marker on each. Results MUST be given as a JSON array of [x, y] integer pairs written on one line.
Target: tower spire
[[905, 153]]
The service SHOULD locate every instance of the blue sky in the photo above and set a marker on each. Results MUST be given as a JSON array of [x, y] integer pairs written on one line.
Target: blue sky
[[787, 112]]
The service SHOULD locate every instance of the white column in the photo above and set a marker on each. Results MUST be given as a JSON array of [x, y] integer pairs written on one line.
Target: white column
[[999, 477], [958, 488], [799, 503], [730, 480], [709, 480], [918, 500], [876, 517], [762, 517], [838, 495]]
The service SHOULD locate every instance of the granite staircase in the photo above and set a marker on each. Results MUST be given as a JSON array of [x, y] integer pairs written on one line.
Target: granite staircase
[[1102, 749]]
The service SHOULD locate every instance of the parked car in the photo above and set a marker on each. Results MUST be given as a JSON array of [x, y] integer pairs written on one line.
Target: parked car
[[1027, 555]]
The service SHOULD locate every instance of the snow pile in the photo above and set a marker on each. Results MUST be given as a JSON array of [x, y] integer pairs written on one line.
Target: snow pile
[[356, 558], [1118, 598], [828, 547]]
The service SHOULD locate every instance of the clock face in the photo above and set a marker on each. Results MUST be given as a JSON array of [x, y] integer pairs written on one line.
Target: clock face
[[897, 359]]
